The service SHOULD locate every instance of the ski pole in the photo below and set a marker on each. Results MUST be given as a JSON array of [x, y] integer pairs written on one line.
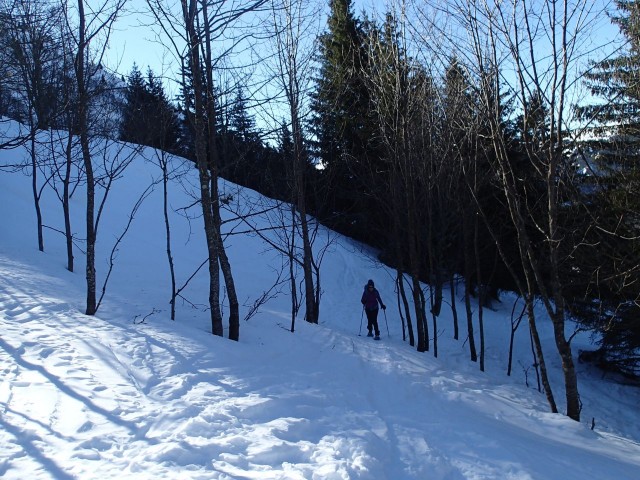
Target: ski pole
[[385, 321], [361, 316]]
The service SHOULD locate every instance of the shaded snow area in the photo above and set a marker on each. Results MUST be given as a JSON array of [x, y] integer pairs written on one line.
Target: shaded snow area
[[128, 393]]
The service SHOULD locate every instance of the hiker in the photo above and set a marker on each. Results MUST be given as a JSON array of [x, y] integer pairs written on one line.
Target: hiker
[[370, 300]]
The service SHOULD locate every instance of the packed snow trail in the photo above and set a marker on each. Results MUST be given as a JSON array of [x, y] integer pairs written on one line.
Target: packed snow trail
[[103, 398], [86, 397]]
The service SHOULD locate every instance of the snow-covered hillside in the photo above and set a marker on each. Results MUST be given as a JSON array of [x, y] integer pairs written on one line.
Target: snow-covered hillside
[[113, 396]]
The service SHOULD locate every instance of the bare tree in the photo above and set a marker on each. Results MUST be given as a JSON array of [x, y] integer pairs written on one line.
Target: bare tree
[[194, 32], [31, 48], [90, 27], [542, 42], [402, 99], [194, 45], [165, 162], [30, 45], [292, 20], [66, 177]]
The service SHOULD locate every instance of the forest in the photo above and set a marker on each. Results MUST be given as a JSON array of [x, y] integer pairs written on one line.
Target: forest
[[478, 146]]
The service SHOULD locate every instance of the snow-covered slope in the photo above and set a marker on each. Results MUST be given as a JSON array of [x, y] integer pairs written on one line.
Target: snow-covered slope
[[116, 396]]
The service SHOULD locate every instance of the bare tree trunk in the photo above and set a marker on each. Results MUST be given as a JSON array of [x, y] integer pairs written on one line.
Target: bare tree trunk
[[423, 329], [66, 210], [167, 227], [292, 270], [467, 286], [194, 44], [82, 124], [28, 42], [435, 280], [289, 22], [514, 327], [536, 365], [396, 201], [535, 337], [68, 114], [481, 290], [83, 68], [211, 154], [222, 258], [34, 184], [299, 162], [434, 315], [312, 310], [403, 305], [528, 296], [454, 309], [407, 310], [234, 309], [414, 269]]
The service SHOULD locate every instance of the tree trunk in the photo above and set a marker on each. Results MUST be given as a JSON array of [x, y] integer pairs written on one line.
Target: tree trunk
[[311, 314], [65, 201], [312, 310], [480, 291], [468, 273], [194, 44], [454, 309], [423, 332], [398, 280], [292, 270], [167, 227], [234, 310], [405, 305], [213, 161], [82, 123], [34, 184], [538, 349]]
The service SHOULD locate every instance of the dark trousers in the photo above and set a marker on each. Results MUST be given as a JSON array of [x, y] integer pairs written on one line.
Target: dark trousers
[[372, 321]]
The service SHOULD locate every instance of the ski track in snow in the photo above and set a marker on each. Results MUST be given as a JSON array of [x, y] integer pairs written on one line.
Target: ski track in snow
[[137, 401], [160, 416], [153, 410]]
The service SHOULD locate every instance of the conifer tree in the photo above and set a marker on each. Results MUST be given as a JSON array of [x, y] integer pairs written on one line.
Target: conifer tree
[[338, 70], [148, 117], [163, 121], [241, 148], [340, 124], [240, 120], [610, 300], [134, 122]]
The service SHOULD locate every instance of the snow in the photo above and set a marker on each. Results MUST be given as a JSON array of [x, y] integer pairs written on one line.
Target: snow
[[128, 393]]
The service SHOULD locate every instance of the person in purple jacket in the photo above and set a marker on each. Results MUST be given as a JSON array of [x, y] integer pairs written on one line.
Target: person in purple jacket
[[370, 300]]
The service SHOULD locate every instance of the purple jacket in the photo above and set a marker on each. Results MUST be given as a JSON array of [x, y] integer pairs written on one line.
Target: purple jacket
[[370, 299]]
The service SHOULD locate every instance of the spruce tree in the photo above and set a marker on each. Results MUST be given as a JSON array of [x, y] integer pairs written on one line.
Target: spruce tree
[[134, 124], [148, 117], [239, 119], [340, 120], [335, 97], [240, 149], [610, 300], [164, 128]]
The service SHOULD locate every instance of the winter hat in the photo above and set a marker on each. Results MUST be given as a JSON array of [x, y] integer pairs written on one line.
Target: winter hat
[[370, 283]]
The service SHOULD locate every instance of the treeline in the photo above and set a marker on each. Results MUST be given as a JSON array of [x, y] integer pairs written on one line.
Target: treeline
[[459, 160], [150, 118]]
